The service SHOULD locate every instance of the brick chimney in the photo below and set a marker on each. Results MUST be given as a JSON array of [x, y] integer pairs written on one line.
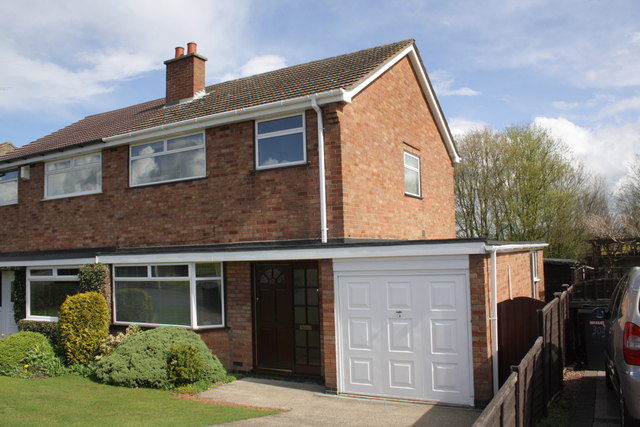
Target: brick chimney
[[185, 74]]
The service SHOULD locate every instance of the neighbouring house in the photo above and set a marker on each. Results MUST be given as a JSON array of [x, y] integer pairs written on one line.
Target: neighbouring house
[[6, 147], [301, 221]]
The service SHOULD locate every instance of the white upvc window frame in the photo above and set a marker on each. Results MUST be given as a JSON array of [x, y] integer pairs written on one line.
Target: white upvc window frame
[[72, 167], [54, 277], [4, 181], [191, 278], [412, 169], [164, 152], [299, 130]]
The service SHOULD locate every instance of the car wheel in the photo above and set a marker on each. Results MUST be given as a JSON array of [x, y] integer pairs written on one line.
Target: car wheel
[[626, 420]]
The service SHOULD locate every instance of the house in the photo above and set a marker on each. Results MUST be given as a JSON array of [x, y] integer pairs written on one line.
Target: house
[[6, 147], [301, 221]]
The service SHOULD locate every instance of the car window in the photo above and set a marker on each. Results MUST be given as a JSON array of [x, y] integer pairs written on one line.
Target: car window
[[614, 305]]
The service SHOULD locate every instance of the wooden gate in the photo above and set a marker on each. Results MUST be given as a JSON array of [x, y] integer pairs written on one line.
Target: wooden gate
[[517, 331]]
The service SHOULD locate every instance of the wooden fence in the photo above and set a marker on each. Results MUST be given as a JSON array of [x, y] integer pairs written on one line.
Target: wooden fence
[[523, 398], [594, 289]]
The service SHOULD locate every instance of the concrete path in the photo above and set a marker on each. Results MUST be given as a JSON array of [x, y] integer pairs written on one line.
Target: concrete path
[[307, 405], [595, 405]]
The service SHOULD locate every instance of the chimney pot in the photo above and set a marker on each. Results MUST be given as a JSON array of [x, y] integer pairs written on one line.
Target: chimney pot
[[191, 47], [179, 51]]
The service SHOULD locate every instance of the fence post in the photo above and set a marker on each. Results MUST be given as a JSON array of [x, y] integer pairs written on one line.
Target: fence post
[[545, 360]]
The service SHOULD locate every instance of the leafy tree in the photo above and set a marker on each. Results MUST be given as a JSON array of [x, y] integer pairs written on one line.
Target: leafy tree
[[521, 184], [627, 199]]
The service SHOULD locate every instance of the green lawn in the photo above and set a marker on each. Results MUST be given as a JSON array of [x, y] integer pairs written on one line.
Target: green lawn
[[75, 401]]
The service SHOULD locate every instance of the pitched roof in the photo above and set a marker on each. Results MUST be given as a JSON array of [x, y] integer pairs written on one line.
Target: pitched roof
[[339, 72]]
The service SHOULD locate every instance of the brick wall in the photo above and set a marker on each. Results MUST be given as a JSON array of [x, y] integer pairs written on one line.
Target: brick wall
[[328, 324], [185, 77], [519, 264], [389, 117], [234, 203], [234, 344]]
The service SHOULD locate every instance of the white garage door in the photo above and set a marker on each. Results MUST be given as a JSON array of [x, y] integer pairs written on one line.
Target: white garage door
[[406, 336]]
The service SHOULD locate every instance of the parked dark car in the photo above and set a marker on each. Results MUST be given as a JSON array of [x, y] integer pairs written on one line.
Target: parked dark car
[[622, 346]]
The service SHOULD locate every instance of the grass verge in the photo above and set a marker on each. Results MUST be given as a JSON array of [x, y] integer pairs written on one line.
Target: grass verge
[[75, 401]]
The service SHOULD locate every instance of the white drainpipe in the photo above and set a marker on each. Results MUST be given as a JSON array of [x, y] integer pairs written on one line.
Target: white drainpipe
[[323, 191], [494, 317]]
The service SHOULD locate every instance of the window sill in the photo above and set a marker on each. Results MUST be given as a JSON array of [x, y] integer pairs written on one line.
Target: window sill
[[67, 196], [154, 184], [284, 166], [9, 203], [160, 325], [413, 196]]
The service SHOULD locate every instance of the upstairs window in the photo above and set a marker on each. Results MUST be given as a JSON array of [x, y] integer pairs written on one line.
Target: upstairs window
[[170, 160], [280, 142], [411, 175], [8, 187], [74, 177]]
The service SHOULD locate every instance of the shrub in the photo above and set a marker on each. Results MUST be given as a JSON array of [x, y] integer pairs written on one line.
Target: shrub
[[143, 359], [14, 348], [87, 370], [186, 364], [84, 324], [39, 363], [96, 278], [48, 329], [112, 342], [19, 295]]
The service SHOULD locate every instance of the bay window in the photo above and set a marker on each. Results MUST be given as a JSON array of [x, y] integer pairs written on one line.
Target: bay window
[[169, 294]]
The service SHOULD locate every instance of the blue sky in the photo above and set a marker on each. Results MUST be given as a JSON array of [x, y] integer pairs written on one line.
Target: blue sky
[[571, 66]]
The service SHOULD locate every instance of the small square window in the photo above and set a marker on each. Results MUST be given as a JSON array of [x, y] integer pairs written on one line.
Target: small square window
[[280, 142], [411, 175]]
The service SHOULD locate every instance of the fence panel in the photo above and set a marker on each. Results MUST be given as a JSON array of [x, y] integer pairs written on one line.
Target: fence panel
[[502, 409]]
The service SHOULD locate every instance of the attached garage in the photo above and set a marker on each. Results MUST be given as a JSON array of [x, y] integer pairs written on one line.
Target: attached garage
[[403, 328]]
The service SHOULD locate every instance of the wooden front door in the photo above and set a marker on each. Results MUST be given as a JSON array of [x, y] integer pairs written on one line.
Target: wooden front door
[[287, 318]]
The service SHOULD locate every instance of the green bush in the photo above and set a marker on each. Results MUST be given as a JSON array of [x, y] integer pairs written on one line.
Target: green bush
[[143, 360], [14, 348], [186, 364], [84, 324], [19, 294], [93, 277], [48, 329], [112, 342], [39, 363]]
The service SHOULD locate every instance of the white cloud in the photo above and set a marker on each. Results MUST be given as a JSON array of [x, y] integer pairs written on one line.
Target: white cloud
[[257, 65], [72, 50], [460, 126], [442, 84], [604, 149]]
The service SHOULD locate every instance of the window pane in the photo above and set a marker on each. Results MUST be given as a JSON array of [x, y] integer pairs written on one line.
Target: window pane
[[146, 149], [131, 271], [411, 161], [280, 149], [209, 270], [5, 176], [47, 296], [170, 271], [280, 124], [184, 142], [209, 302], [411, 182], [298, 296], [168, 167], [41, 272], [92, 158], [165, 303], [66, 164], [68, 271], [8, 191], [312, 296], [74, 181], [313, 315]]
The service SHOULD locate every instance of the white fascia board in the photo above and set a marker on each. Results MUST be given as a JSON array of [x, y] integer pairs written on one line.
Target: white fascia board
[[48, 262], [429, 94], [516, 247], [466, 248], [192, 125]]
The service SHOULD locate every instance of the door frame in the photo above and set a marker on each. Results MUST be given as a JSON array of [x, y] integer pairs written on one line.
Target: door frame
[[7, 322]]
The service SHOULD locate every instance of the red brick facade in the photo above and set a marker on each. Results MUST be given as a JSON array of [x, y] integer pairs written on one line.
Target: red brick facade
[[185, 77], [518, 266]]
